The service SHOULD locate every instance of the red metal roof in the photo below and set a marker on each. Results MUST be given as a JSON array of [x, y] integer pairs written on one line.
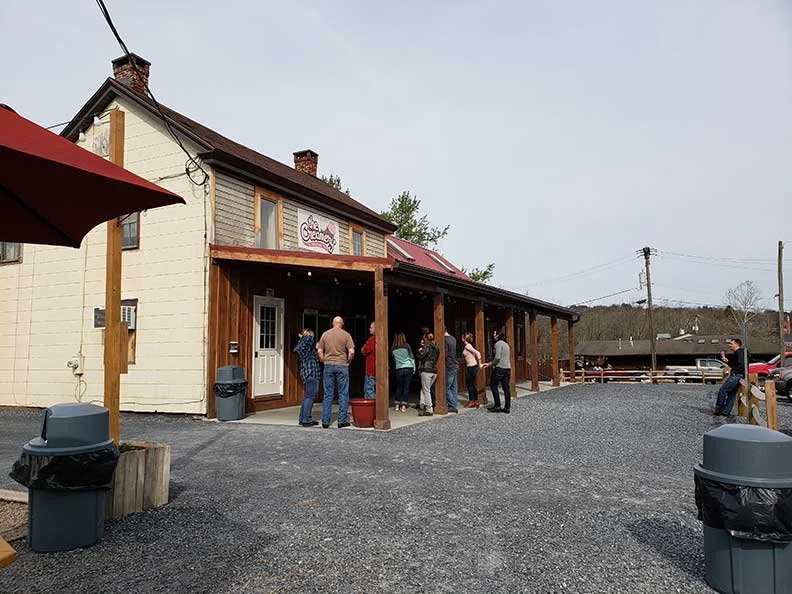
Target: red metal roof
[[412, 253]]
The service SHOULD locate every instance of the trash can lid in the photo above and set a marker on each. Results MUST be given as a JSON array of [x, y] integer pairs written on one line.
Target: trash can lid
[[231, 374], [71, 428], [747, 455]]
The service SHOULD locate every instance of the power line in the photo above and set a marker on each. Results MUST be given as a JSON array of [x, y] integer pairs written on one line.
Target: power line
[[605, 296], [732, 266], [58, 125], [192, 165], [718, 258], [579, 273]]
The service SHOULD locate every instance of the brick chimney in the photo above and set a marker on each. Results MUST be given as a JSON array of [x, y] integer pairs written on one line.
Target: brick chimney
[[306, 161], [125, 73]]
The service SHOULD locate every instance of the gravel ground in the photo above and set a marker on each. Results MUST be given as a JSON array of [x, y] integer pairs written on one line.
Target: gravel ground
[[583, 489]]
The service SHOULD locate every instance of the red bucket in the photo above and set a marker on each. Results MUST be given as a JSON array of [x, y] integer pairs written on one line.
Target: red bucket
[[363, 411]]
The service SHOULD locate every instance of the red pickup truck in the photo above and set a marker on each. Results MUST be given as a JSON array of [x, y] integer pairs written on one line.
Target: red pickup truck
[[762, 369]]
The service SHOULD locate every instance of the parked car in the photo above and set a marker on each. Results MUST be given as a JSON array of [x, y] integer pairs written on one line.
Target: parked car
[[711, 370], [763, 369], [782, 376]]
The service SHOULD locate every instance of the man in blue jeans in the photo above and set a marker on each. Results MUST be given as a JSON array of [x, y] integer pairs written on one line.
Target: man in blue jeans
[[452, 366], [336, 349], [309, 374], [728, 391]]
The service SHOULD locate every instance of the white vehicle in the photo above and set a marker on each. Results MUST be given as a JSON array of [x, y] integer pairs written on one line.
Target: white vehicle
[[706, 370]]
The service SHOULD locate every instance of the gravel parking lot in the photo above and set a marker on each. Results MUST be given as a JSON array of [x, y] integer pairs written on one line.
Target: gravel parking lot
[[588, 488]]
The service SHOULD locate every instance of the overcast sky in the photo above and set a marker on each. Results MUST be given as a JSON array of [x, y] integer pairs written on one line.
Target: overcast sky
[[552, 136]]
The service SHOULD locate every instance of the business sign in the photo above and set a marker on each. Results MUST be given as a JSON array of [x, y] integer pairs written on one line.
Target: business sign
[[316, 233]]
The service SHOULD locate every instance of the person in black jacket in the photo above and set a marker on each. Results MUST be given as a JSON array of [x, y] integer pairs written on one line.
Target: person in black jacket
[[428, 355], [728, 391]]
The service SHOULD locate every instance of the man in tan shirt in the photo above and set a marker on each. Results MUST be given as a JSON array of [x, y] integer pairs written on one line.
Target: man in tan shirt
[[336, 349]]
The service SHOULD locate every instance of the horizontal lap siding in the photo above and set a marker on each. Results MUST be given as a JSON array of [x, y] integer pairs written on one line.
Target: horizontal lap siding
[[375, 244], [234, 212]]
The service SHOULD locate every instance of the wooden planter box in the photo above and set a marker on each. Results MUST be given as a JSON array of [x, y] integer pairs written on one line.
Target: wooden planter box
[[141, 480]]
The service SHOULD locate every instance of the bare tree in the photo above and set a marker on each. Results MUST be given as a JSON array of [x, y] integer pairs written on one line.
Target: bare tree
[[743, 303]]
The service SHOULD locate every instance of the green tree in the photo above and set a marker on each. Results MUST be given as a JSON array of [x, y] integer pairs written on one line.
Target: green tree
[[481, 275], [334, 181], [404, 211]]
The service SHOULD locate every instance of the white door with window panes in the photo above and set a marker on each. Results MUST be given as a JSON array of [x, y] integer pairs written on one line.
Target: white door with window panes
[[268, 346]]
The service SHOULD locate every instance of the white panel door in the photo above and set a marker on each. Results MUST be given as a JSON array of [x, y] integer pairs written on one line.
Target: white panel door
[[268, 346]]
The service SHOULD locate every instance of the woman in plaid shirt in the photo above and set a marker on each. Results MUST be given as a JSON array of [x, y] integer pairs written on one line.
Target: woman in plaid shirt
[[309, 373]]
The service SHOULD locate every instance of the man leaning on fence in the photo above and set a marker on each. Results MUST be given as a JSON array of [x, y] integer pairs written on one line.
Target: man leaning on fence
[[728, 391]]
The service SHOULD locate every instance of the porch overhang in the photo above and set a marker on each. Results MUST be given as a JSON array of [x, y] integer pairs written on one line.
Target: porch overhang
[[466, 289], [299, 258]]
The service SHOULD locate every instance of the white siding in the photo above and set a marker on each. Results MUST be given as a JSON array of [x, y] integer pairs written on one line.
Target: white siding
[[47, 301]]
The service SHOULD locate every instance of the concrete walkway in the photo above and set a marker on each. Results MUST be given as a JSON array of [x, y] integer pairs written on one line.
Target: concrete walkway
[[288, 416]]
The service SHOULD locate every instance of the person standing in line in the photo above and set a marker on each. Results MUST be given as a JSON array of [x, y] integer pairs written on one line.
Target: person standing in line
[[472, 364], [452, 369], [428, 355], [309, 374], [728, 391], [404, 364], [501, 373], [432, 391], [336, 349], [369, 351]]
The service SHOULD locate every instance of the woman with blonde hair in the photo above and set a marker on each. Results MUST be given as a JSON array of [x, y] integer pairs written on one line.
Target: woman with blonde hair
[[404, 364], [472, 364]]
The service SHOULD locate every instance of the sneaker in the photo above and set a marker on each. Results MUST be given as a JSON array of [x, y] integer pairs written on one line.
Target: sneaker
[[342, 425], [325, 426], [452, 410], [494, 409], [309, 424], [505, 410]]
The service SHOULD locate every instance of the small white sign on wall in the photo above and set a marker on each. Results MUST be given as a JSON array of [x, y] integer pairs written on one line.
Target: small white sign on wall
[[317, 233]]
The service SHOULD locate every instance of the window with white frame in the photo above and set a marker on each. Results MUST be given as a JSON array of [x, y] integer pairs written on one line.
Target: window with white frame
[[267, 229], [357, 242]]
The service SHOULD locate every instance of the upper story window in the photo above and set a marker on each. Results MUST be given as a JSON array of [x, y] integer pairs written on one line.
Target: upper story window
[[268, 226], [10, 252], [130, 231], [357, 243]]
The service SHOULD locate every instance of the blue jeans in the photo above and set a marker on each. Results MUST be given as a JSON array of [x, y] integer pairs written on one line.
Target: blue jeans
[[311, 390], [370, 387], [335, 375], [452, 390], [727, 394]]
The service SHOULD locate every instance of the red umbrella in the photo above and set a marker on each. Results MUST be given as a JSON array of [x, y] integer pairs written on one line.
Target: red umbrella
[[54, 192]]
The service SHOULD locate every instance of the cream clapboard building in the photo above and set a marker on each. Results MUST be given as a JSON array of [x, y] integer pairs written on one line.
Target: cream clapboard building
[[49, 296]]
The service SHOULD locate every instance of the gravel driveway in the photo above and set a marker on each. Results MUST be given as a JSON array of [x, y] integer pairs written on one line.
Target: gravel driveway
[[583, 489]]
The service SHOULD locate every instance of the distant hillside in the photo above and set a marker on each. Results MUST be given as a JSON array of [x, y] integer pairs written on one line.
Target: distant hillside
[[611, 322]]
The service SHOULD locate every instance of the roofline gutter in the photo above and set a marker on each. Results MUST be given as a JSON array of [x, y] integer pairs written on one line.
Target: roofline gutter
[[524, 301]]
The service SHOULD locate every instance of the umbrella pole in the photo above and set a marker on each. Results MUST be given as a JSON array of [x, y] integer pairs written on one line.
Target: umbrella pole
[[112, 342]]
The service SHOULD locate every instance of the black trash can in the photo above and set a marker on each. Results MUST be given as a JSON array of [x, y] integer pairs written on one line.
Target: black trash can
[[230, 388], [68, 471], [744, 498]]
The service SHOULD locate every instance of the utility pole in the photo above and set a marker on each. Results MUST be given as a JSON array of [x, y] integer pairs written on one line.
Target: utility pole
[[647, 252], [781, 303]]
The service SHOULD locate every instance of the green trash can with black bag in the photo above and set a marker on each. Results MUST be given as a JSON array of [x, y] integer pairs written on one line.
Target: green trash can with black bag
[[230, 389], [744, 500], [68, 470]]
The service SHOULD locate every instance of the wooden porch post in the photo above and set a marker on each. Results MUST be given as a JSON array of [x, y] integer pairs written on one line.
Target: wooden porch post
[[510, 340], [213, 337], [554, 344], [481, 346], [381, 419], [441, 407], [534, 352], [571, 335], [112, 338]]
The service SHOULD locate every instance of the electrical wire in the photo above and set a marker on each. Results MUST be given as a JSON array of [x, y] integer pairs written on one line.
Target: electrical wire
[[58, 125], [579, 274], [605, 296], [192, 165]]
